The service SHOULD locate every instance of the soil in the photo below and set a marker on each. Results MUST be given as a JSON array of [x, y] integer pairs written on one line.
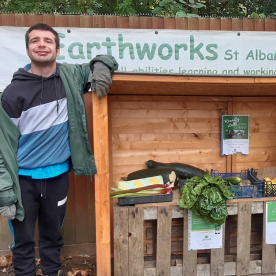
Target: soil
[[77, 265]]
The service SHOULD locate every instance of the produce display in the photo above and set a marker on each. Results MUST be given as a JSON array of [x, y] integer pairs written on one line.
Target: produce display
[[206, 196], [183, 171], [168, 175], [233, 180]]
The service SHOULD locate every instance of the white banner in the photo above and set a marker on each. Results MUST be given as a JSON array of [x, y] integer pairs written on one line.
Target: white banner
[[201, 53]]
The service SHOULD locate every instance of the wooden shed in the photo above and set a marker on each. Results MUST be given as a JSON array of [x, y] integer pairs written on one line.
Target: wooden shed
[[167, 118]]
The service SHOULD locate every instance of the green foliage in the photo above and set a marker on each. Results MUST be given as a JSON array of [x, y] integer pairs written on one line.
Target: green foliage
[[206, 197], [49, 6], [241, 8], [180, 8]]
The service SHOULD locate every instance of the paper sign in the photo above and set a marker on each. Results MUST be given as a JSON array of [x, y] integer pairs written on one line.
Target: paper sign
[[203, 235], [234, 134], [270, 233]]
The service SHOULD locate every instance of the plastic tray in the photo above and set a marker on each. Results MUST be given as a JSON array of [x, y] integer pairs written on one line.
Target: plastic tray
[[255, 190], [123, 201], [269, 189]]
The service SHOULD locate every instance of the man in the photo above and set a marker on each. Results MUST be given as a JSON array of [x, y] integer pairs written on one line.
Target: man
[[43, 134]]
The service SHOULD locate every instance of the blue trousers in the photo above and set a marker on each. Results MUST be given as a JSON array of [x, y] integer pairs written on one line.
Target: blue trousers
[[44, 200]]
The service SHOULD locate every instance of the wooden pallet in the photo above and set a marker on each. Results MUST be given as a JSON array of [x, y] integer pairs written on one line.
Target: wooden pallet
[[248, 257]]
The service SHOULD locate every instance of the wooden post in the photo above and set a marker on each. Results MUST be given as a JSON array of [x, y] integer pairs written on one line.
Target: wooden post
[[102, 202]]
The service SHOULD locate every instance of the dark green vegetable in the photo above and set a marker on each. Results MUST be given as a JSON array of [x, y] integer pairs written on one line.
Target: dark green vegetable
[[167, 174], [182, 170], [206, 197], [234, 180]]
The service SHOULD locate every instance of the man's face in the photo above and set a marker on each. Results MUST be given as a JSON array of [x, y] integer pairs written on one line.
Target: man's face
[[42, 47]]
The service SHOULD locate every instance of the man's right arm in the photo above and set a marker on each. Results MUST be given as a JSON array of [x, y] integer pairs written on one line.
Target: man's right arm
[[7, 195]]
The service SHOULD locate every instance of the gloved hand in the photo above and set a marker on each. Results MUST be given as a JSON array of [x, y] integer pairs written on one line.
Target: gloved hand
[[8, 211], [101, 79]]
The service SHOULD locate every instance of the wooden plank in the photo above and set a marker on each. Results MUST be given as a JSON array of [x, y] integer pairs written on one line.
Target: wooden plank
[[163, 251], [86, 21], [135, 241], [110, 21], [158, 23], [61, 20], [100, 127], [203, 23], [69, 225], [73, 21], [229, 157], [145, 22], [215, 24], [268, 250], [134, 22], [226, 24], [181, 23], [98, 21], [122, 22], [81, 203], [259, 25], [35, 18], [192, 23], [237, 24], [217, 258], [189, 256], [21, 20], [269, 25], [169, 23], [248, 24], [49, 19], [243, 238], [8, 19], [138, 98], [121, 253]]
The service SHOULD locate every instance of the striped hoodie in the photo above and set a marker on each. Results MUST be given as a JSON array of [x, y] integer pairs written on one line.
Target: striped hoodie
[[38, 107]]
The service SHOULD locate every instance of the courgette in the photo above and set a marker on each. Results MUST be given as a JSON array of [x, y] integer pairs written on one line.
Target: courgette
[[183, 171], [233, 180], [167, 174]]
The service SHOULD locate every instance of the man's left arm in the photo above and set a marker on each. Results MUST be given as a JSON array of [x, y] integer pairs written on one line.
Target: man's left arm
[[97, 75]]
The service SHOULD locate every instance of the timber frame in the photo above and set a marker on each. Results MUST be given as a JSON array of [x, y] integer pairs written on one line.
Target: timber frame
[[124, 85]]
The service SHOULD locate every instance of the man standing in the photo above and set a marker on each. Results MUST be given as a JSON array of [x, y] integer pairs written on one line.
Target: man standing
[[43, 133]]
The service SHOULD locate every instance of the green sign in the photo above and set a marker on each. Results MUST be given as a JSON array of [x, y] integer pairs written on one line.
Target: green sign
[[198, 224]]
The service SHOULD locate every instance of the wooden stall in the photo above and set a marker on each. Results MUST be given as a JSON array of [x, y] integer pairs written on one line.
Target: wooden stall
[[166, 118]]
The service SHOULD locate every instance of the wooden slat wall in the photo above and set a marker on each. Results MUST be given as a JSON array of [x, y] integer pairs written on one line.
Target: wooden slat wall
[[166, 129], [79, 226]]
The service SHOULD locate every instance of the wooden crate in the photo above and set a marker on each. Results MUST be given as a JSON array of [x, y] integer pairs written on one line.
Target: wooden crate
[[148, 240]]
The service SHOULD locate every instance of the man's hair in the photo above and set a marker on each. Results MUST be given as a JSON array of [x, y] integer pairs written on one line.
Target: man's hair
[[42, 27]]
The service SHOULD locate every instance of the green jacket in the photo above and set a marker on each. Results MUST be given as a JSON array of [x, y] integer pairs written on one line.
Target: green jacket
[[74, 78]]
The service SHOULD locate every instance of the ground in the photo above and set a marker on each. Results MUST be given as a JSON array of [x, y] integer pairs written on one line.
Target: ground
[[83, 265]]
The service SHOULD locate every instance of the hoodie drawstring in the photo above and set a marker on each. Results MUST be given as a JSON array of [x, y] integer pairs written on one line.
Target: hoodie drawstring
[[42, 90], [56, 93], [41, 94], [43, 195]]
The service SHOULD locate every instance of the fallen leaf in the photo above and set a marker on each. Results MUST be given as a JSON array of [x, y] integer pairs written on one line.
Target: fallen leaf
[[5, 261], [37, 261], [39, 272]]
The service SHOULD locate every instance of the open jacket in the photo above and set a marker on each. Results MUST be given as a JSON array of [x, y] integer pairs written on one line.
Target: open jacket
[[75, 81]]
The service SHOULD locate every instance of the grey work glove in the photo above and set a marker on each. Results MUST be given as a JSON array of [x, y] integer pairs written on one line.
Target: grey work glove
[[100, 79], [8, 211]]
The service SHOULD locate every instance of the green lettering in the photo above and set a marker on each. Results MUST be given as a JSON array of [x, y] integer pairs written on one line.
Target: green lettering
[[160, 51], [250, 55], [90, 46], [195, 50], [269, 56], [146, 50], [122, 47], [108, 45], [178, 47], [80, 49], [209, 50]]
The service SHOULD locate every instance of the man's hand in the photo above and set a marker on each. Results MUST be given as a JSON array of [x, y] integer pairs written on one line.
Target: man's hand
[[101, 79], [8, 211]]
